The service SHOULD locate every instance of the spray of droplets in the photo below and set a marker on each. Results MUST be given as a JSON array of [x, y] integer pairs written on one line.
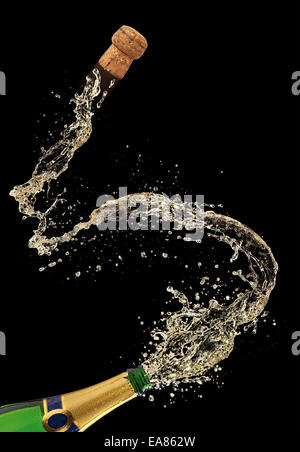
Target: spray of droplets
[[192, 339], [54, 161]]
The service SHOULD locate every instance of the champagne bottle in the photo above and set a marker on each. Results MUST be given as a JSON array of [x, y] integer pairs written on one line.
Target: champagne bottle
[[75, 411]]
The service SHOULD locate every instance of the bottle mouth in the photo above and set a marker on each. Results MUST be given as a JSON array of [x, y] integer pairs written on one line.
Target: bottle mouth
[[138, 379]]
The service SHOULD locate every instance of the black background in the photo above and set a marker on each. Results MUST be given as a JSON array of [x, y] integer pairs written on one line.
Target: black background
[[211, 94]]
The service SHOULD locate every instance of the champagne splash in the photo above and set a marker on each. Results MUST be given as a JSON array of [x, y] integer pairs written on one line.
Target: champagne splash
[[194, 338], [54, 161]]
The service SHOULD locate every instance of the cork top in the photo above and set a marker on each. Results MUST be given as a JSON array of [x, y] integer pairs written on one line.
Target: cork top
[[127, 45], [130, 42]]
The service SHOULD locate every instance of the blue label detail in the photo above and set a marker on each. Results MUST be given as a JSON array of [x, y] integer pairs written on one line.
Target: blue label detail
[[54, 403], [73, 428], [57, 420]]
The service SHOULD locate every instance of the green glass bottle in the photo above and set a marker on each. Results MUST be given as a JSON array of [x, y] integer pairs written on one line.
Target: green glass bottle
[[75, 411]]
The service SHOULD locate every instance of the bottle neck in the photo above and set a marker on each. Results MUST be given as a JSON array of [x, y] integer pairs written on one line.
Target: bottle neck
[[139, 379], [80, 409]]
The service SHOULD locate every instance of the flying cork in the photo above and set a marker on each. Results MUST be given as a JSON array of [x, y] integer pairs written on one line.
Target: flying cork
[[127, 45]]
